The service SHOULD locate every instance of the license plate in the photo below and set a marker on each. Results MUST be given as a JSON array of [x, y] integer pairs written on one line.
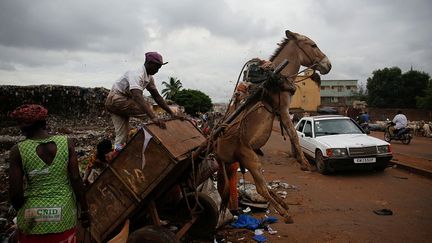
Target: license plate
[[364, 160]]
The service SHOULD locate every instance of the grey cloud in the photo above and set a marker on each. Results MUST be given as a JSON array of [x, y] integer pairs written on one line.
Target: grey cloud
[[52, 40], [70, 25], [35, 58], [215, 16], [7, 66]]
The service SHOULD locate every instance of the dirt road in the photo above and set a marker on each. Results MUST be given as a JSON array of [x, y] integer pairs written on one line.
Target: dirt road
[[420, 147], [339, 208]]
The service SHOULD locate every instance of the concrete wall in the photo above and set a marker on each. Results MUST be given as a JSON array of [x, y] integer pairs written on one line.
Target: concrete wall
[[307, 95]]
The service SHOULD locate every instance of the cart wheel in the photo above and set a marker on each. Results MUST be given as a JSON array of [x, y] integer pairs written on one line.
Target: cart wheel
[[152, 234], [205, 225]]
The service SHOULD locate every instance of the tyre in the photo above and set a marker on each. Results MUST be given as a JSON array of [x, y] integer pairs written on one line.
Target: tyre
[[406, 139], [208, 218], [152, 234], [320, 163], [387, 136]]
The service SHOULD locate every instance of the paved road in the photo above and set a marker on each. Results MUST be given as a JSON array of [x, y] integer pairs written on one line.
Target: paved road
[[339, 208]]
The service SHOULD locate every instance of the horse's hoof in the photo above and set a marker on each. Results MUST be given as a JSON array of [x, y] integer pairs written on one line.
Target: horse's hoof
[[288, 220], [304, 168]]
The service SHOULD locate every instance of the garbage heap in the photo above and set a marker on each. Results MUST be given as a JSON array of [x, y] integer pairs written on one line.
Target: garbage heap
[[69, 102]]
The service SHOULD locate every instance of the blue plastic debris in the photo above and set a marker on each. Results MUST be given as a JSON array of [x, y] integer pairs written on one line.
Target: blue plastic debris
[[249, 222], [259, 238]]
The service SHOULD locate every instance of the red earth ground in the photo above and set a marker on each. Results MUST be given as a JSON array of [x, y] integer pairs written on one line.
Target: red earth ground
[[339, 207]]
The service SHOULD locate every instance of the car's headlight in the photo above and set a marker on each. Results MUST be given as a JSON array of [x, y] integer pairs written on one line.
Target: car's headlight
[[384, 149], [337, 152]]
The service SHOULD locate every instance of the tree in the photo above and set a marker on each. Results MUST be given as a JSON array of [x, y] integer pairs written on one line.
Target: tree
[[193, 101], [384, 87], [171, 88], [389, 88], [426, 101], [415, 85]]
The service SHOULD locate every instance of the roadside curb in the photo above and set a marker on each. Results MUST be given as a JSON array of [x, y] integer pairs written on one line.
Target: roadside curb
[[412, 168]]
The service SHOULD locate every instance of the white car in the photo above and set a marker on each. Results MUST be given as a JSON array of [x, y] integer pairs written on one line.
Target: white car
[[337, 142]]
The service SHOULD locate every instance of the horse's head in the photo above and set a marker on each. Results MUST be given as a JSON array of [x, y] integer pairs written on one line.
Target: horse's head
[[309, 54]]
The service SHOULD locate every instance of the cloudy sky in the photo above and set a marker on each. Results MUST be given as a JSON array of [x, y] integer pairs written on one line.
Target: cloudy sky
[[91, 43]]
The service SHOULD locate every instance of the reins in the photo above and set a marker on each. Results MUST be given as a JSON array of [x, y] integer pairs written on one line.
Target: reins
[[302, 71]]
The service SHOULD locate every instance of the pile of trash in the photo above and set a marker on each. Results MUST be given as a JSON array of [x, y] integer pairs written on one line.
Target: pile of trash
[[249, 196], [81, 102], [254, 216]]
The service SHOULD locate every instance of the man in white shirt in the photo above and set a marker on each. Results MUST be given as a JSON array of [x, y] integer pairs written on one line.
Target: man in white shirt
[[126, 97], [400, 122]]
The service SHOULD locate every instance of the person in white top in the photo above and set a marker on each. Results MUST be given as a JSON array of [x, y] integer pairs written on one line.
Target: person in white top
[[126, 97], [400, 122]]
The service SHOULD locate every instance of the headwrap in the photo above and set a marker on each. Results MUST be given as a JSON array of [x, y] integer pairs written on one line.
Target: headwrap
[[29, 113]]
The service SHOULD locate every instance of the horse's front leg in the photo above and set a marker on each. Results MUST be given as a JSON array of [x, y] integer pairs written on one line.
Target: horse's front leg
[[289, 127], [250, 161]]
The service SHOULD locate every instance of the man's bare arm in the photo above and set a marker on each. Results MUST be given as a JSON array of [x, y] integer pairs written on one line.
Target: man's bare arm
[[137, 96], [159, 100], [16, 180]]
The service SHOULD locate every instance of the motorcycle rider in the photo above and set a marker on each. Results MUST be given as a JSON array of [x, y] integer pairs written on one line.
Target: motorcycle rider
[[400, 122], [365, 117], [363, 120]]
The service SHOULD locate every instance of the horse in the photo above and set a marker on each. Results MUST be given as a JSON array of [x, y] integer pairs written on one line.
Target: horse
[[250, 130]]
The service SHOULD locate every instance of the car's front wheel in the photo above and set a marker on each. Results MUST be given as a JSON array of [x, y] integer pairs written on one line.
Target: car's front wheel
[[320, 163]]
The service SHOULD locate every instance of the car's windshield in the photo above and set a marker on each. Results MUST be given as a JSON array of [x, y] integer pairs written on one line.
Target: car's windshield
[[335, 126]]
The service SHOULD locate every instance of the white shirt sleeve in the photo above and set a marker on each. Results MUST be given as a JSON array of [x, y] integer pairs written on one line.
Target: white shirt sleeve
[[151, 83], [135, 81]]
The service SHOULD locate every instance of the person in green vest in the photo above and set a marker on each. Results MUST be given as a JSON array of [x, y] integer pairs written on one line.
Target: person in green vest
[[45, 184]]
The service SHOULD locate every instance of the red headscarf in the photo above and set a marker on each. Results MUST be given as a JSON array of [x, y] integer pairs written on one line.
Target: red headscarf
[[29, 113]]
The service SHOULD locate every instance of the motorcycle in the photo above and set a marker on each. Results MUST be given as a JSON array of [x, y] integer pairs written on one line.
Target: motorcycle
[[365, 127], [404, 135]]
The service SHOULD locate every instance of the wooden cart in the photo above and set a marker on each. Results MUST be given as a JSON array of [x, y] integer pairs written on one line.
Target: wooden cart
[[129, 186]]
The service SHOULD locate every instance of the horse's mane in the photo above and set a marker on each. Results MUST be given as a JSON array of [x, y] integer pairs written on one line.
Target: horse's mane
[[281, 45]]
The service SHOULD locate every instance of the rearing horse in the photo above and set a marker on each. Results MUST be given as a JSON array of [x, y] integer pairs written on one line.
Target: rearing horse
[[252, 128]]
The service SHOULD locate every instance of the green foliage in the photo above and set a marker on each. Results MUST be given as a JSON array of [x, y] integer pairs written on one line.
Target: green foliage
[[173, 86], [193, 101], [426, 101], [390, 88], [415, 85], [382, 87]]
